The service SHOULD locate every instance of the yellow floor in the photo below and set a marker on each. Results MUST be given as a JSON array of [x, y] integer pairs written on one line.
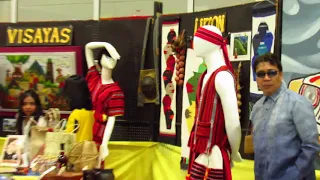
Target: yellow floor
[[243, 171]]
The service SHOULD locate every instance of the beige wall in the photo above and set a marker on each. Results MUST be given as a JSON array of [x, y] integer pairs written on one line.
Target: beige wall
[[50, 10], [4, 11], [201, 5]]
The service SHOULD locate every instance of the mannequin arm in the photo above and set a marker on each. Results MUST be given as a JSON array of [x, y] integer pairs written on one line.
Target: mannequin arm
[[226, 89], [89, 53], [94, 45], [104, 151], [108, 130]]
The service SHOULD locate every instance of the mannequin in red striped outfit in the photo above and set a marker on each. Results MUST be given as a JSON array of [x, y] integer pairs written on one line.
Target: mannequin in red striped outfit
[[107, 96]]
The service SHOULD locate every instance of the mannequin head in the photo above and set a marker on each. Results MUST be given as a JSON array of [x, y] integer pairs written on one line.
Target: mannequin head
[[210, 45], [203, 47], [105, 60]]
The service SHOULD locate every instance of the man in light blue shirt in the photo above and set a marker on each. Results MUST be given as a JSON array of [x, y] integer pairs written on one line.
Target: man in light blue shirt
[[285, 131]]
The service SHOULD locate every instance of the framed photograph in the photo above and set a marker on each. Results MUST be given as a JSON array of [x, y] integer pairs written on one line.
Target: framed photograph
[[12, 150], [43, 69], [9, 125], [240, 46]]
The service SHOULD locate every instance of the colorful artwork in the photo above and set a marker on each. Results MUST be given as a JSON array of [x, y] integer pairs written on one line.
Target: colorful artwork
[[301, 52], [263, 29], [195, 66], [170, 32], [39, 69], [309, 87], [240, 44]]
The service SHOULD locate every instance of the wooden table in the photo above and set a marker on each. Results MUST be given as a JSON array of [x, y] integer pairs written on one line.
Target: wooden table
[[64, 176]]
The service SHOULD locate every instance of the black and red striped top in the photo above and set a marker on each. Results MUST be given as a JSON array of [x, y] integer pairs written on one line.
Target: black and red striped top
[[107, 99]]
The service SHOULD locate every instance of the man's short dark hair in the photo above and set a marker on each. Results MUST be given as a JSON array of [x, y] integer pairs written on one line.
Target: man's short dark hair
[[270, 58]]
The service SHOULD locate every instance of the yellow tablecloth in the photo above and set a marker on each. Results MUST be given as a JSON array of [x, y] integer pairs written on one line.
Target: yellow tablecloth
[[158, 161], [153, 161]]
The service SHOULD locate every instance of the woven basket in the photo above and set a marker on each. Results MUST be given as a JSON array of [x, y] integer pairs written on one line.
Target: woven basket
[[83, 154], [90, 162], [43, 163]]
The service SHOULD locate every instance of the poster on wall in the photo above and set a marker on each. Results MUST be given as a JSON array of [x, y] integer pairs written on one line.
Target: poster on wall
[[195, 66], [41, 69], [240, 46], [263, 36], [170, 31], [300, 53]]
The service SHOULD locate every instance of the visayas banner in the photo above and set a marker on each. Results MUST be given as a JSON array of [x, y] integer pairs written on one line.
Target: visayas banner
[[39, 36]]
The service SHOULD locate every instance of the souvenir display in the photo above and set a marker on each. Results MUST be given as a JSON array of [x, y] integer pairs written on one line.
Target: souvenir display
[[109, 97]]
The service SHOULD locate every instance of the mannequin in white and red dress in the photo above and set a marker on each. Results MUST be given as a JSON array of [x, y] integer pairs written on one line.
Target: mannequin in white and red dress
[[107, 96], [216, 135]]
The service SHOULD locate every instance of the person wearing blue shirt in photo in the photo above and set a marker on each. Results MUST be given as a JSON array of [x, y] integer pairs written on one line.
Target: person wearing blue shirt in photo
[[285, 131]]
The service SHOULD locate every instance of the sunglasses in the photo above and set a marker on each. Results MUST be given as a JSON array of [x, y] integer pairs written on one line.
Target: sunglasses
[[270, 73]]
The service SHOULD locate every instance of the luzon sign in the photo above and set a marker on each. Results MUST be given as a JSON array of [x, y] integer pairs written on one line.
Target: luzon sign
[[215, 20], [39, 36]]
